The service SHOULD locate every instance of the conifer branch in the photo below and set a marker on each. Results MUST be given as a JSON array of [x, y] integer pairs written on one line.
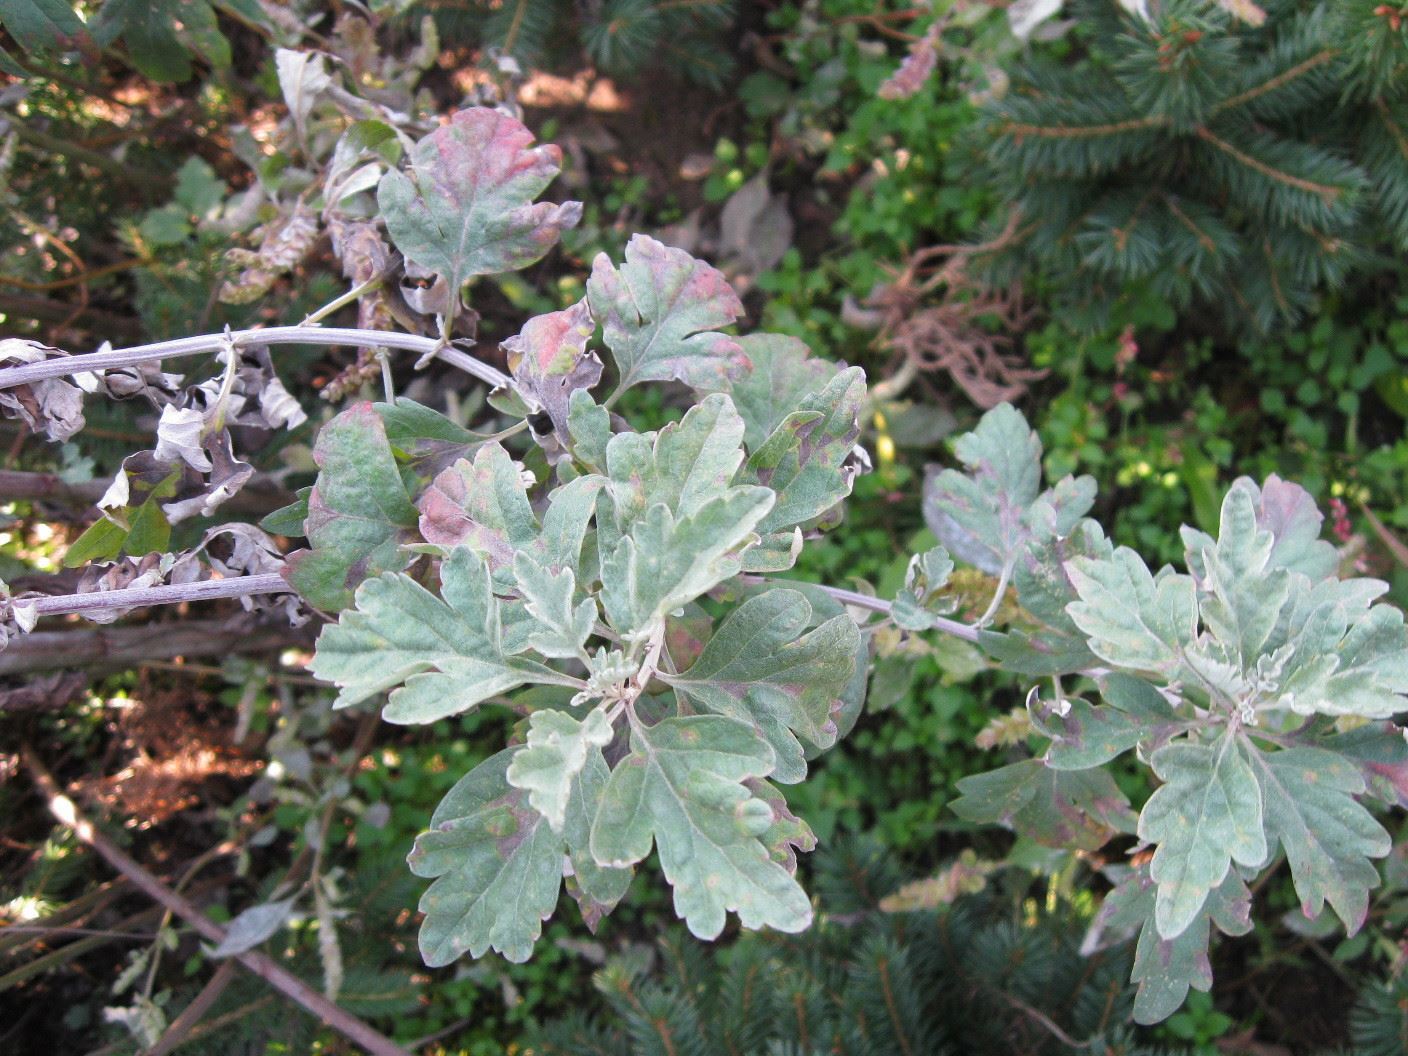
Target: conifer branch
[[1326, 192], [1204, 239], [891, 1007], [1283, 78], [1400, 138], [1115, 128]]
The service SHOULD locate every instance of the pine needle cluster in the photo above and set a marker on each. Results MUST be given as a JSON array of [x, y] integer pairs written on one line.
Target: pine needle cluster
[[993, 973], [1216, 163]]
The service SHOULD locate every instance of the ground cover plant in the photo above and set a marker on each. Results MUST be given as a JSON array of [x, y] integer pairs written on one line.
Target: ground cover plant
[[592, 590]]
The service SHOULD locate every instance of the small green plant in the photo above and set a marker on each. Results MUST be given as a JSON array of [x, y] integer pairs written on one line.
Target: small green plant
[[620, 592]]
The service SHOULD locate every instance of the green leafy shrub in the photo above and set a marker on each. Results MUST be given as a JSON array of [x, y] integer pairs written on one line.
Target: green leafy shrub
[[618, 592]]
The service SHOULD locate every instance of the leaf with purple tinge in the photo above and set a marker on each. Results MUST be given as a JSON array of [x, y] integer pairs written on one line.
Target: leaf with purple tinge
[[1165, 969], [481, 504], [549, 360], [1382, 757], [497, 866], [661, 311], [1289, 513], [1056, 808], [789, 834], [1327, 834], [465, 207], [358, 511]]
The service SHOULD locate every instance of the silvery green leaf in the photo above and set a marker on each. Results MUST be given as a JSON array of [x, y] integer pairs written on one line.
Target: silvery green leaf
[[1136, 698], [780, 375], [1327, 835], [497, 866], [775, 552], [483, 505], [668, 561], [553, 757], [465, 207], [683, 466], [920, 599], [1165, 969], [596, 888], [1084, 736], [589, 430], [805, 458], [550, 361], [563, 628], [570, 510], [358, 511], [788, 834], [253, 926], [1364, 673], [1056, 808], [1243, 595], [1206, 815], [1289, 513], [661, 312], [987, 515], [760, 668], [446, 654], [1133, 619], [682, 789]]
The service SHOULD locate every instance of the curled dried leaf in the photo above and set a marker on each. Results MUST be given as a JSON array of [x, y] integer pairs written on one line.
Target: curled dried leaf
[[131, 573], [54, 406], [550, 360]]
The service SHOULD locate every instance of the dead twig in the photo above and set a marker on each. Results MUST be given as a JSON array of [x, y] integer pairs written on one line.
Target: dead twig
[[66, 811]]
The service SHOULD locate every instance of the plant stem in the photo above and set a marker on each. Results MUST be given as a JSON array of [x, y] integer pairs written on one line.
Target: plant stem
[[62, 366], [347, 298], [290, 986], [997, 596], [167, 594], [880, 605]]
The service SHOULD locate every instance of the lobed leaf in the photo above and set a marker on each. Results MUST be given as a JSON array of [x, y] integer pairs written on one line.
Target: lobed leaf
[[498, 869], [1206, 815], [555, 754], [781, 373], [1056, 808], [988, 515], [549, 360], [1133, 619], [1327, 835], [666, 562], [1165, 969], [661, 312], [446, 654], [760, 668], [805, 458], [465, 207], [481, 504], [682, 789]]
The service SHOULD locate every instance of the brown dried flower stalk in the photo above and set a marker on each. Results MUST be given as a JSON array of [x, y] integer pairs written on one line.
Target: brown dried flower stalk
[[968, 333]]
